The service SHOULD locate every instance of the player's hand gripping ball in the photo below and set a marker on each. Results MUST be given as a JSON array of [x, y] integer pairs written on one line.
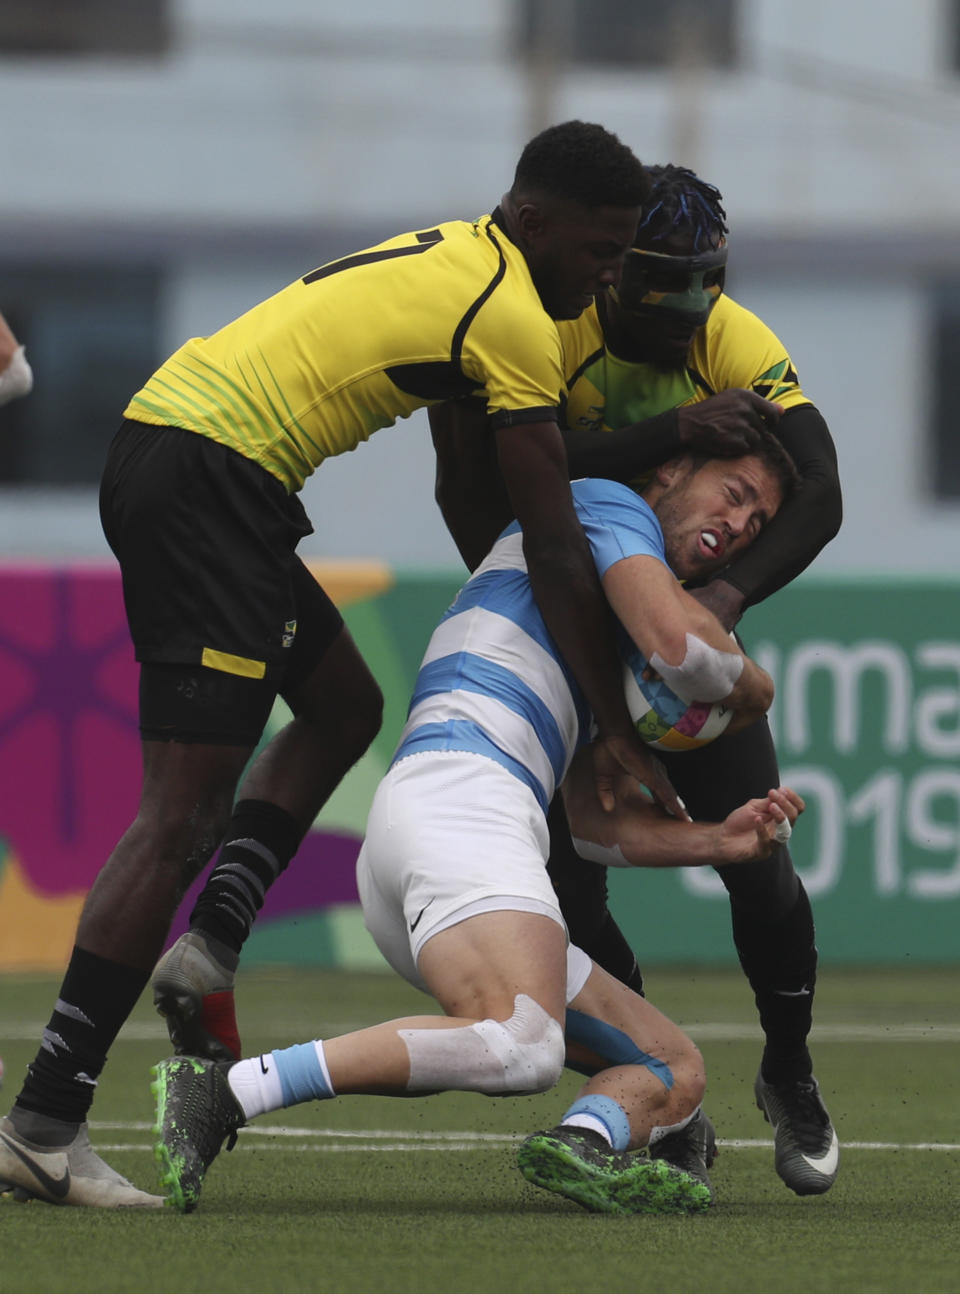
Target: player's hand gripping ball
[[663, 719]]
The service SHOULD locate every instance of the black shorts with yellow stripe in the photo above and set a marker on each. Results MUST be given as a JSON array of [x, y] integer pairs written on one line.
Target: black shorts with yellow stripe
[[222, 612]]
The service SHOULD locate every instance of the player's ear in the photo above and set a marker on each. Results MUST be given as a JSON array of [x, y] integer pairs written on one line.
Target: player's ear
[[672, 470], [532, 220]]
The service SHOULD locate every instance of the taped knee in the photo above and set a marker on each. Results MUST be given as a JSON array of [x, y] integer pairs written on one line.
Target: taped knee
[[516, 1056]]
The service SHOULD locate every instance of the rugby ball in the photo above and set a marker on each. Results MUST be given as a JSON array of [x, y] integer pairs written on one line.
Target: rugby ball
[[663, 719]]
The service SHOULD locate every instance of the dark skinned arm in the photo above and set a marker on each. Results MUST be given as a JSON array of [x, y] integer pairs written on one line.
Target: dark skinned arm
[[469, 488], [724, 426], [801, 528], [568, 592], [473, 469]]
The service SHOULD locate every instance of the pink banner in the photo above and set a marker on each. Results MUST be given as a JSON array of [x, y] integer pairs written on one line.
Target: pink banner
[[70, 763]]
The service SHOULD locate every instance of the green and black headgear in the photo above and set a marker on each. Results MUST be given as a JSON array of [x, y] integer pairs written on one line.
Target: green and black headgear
[[680, 204]]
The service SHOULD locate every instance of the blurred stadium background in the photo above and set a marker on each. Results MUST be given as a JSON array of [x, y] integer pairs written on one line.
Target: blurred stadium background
[[168, 163]]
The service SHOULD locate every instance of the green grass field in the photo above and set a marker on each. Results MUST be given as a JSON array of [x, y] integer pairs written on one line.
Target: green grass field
[[365, 1194]]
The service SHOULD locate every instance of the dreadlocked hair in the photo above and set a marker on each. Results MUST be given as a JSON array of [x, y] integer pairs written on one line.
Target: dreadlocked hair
[[584, 163], [680, 202]]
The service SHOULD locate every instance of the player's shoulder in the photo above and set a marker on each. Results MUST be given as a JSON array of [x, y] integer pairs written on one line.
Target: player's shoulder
[[618, 523], [614, 501], [581, 341], [729, 320], [585, 332], [729, 313]]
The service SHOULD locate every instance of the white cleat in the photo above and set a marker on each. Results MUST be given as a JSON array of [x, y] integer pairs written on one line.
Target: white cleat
[[70, 1174]]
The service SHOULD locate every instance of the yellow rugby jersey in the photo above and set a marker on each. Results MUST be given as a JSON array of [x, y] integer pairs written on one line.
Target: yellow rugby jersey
[[364, 340], [733, 349]]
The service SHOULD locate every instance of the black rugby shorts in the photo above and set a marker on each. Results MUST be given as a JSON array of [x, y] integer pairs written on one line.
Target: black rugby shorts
[[206, 543]]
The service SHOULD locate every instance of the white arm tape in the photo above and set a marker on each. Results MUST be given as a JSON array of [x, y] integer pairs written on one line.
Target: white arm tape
[[607, 855], [17, 378], [704, 674]]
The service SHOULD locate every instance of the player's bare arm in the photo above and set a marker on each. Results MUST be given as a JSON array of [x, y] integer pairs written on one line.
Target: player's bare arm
[[469, 489], [724, 426], [669, 625], [567, 589], [637, 833]]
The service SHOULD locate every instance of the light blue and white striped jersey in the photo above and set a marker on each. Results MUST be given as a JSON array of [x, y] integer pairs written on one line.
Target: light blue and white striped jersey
[[492, 680]]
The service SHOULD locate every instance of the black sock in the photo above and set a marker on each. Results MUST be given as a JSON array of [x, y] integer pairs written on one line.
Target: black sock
[[95, 999], [780, 961], [259, 843]]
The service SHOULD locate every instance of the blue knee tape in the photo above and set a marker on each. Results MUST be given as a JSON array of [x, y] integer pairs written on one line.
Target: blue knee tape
[[301, 1074], [610, 1114], [613, 1045]]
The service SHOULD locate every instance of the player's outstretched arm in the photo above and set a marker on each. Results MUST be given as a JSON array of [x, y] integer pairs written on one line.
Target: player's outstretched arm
[[753, 830], [637, 833]]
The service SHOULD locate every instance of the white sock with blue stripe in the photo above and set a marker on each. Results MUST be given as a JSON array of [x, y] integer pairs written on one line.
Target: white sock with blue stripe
[[281, 1078], [600, 1114]]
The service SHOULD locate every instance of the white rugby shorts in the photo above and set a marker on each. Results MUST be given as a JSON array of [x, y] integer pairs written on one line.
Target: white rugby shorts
[[450, 835]]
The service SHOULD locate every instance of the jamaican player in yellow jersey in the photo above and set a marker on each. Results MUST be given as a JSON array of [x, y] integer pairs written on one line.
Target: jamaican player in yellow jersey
[[665, 362], [199, 503]]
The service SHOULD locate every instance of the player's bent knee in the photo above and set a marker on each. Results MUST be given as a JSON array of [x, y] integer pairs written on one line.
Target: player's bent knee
[[689, 1075], [513, 1057], [350, 716]]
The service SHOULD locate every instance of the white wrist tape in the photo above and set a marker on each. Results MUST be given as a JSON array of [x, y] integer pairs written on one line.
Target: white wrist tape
[[17, 378], [522, 1054], [783, 832], [704, 674], [606, 855]]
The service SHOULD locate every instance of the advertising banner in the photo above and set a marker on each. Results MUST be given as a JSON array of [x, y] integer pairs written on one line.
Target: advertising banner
[[866, 720]]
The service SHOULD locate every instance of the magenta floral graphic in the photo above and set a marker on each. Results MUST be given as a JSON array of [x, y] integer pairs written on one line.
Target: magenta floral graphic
[[69, 745], [69, 748]]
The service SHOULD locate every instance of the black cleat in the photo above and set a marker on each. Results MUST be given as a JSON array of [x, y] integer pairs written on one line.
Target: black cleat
[[693, 1149], [196, 1113], [805, 1144]]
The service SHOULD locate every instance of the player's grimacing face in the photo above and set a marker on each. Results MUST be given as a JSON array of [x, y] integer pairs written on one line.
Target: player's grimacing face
[[711, 513], [579, 252]]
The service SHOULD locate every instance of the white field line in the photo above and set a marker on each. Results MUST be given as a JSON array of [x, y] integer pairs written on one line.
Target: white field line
[[30, 1031], [340, 1141]]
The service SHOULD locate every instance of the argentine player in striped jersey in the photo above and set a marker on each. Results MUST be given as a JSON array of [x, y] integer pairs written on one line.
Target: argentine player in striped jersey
[[452, 874]]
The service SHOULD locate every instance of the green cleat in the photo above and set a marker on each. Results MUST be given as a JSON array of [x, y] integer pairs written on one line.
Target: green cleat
[[196, 1113], [578, 1163]]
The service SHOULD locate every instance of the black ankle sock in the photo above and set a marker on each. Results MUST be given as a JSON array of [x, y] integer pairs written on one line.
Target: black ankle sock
[[783, 1067], [95, 999], [259, 843]]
